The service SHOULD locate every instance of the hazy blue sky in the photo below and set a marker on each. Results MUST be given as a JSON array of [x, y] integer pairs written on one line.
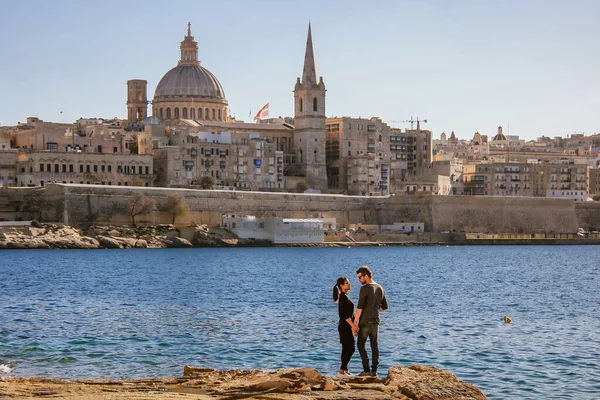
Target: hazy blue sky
[[463, 65]]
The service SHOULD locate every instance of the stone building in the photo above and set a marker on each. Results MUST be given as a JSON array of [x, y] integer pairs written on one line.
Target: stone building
[[557, 180], [86, 135], [36, 168], [562, 180], [594, 182], [8, 166], [236, 160], [355, 143]]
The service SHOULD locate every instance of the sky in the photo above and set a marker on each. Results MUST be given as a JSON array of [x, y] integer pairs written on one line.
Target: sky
[[530, 66]]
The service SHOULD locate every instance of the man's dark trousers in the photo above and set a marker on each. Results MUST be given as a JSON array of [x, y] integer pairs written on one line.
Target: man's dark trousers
[[370, 330]]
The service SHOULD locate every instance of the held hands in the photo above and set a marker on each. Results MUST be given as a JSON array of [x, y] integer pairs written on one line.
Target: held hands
[[355, 329]]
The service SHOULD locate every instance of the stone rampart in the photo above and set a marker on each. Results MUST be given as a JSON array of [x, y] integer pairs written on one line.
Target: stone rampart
[[86, 204]]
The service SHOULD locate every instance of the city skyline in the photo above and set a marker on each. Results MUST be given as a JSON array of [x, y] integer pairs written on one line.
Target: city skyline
[[464, 66]]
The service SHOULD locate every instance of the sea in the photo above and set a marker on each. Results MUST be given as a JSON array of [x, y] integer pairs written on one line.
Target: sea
[[139, 313]]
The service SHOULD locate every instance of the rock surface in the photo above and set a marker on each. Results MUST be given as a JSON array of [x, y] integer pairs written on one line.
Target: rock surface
[[50, 236], [407, 383]]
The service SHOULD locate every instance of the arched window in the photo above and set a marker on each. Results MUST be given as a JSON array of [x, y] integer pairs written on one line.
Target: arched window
[[199, 113], [213, 114], [315, 104], [192, 113], [206, 113], [300, 156], [161, 113], [300, 101], [315, 159], [184, 111], [168, 112], [139, 96], [176, 112], [185, 57], [219, 115]]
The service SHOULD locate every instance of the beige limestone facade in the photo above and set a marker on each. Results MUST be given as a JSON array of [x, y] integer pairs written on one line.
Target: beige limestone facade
[[594, 182], [556, 180], [85, 136], [8, 166], [235, 160], [395, 154], [37, 168]]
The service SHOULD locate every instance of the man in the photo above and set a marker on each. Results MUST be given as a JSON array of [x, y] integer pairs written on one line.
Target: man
[[371, 301]]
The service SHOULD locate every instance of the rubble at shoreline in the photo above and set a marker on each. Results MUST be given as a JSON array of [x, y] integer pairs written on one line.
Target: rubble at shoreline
[[416, 382], [52, 236]]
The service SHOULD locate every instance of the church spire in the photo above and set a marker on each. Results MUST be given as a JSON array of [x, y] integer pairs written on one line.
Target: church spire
[[189, 49], [309, 74]]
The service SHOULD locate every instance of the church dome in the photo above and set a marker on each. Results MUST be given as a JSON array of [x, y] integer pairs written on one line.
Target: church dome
[[500, 137], [189, 80]]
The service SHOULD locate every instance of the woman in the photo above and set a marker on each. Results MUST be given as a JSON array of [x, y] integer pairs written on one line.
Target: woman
[[346, 313]]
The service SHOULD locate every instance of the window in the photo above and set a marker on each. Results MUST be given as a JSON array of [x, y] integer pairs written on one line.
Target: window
[[147, 170], [109, 168], [206, 113], [184, 110], [80, 168], [99, 149], [176, 112], [102, 168], [161, 112], [55, 168], [199, 113], [219, 115], [41, 167], [315, 104], [213, 114], [300, 103], [168, 113], [192, 113], [95, 168], [87, 168], [71, 168]]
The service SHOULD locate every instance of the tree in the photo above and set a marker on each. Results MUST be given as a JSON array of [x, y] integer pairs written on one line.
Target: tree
[[139, 204], [176, 205], [596, 197], [302, 186], [207, 182]]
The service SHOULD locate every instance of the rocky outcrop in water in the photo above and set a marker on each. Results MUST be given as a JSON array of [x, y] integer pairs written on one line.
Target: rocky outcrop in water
[[51, 236], [404, 383]]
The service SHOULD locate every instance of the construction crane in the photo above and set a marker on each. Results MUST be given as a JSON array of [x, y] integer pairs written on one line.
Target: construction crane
[[412, 121]]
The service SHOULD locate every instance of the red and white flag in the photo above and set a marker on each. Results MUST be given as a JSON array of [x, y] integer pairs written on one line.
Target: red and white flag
[[262, 113]]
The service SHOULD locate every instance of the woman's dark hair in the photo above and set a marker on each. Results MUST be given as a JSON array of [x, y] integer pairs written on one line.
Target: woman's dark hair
[[337, 288]]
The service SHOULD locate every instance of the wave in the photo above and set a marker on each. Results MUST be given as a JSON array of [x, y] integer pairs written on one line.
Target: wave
[[5, 369]]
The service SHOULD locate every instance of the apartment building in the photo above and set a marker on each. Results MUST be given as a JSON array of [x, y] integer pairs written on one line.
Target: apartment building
[[241, 160], [36, 168], [376, 144], [558, 180]]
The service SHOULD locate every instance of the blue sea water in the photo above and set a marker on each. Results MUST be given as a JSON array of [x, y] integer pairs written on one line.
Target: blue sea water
[[143, 313]]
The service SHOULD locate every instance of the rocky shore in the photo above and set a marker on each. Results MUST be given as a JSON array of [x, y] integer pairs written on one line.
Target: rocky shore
[[51, 236], [406, 383]]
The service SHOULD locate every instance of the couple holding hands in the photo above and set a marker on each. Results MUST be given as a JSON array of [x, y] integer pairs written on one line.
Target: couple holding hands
[[364, 324]]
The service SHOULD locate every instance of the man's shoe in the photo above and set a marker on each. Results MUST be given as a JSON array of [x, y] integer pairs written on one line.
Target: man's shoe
[[374, 374], [364, 374]]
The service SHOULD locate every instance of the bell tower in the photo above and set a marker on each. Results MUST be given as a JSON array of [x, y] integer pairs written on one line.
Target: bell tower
[[309, 121], [137, 100]]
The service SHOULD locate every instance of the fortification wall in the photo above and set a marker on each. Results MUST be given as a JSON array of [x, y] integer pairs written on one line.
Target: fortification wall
[[85, 204], [503, 214], [588, 215]]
